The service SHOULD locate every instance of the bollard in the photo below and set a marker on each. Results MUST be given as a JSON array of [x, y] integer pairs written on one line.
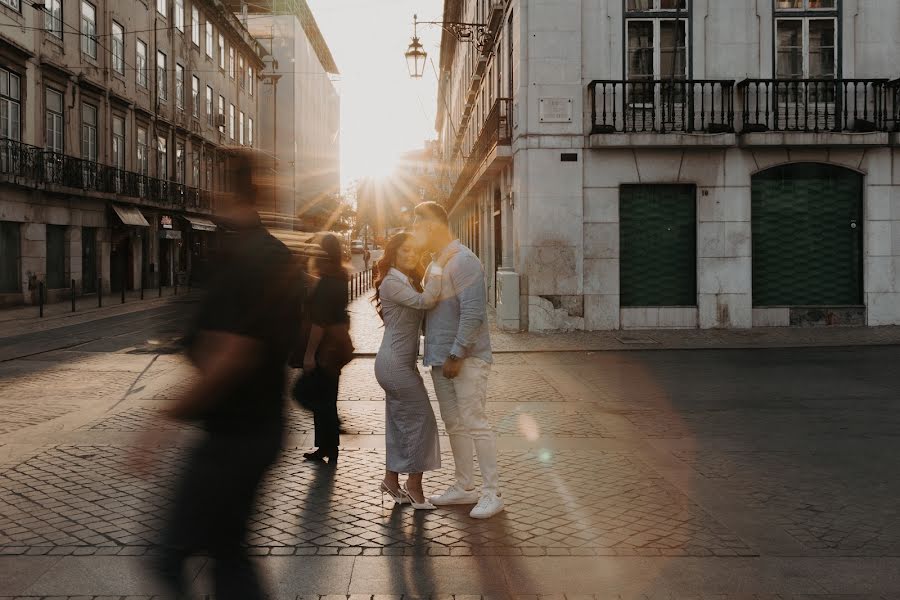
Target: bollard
[[41, 297], [73, 295], [99, 292]]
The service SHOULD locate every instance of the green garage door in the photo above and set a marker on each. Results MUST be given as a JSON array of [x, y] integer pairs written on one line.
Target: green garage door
[[807, 236], [658, 230]]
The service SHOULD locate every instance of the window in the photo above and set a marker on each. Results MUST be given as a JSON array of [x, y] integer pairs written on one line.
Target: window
[[179, 162], [195, 168], [88, 29], [162, 158], [250, 132], [231, 62], [179, 15], [55, 140], [241, 128], [13, 4], [222, 112], [56, 257], [195, 96], [231, 121], [10, 246], [10, 105], [143, 153], [656, 45], [140, 67], [209, 39], [118, 48], [209, 106], [118, 142], [89, 132], [251, 80], [161, 83], [161, 7], [179, 87], [806, 46], [221, 51], [195, 26], [53, 17], [242, 73]]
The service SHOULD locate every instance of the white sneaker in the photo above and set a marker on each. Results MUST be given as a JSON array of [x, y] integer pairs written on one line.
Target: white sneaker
[[455, 494], [489, 505]]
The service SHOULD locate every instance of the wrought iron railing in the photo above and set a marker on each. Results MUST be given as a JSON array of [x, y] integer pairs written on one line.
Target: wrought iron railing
[[496, 131], [662, 106], [893, 96], [814, 105], [39, 166]]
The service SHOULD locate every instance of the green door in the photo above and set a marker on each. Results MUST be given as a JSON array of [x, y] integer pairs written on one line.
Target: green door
[[658, 245], [807, 236]]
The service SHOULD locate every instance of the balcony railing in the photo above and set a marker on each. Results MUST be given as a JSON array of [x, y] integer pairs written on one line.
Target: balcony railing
[[662, 106], [893, 94], [814, 105], [30, 163], [496, 131]]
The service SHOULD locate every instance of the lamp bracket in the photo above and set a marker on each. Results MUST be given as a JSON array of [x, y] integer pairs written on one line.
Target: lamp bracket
[[472, 33]]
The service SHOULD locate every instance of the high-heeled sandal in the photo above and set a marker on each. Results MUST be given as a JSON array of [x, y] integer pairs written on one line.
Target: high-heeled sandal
[[426, 505], [398, 497]]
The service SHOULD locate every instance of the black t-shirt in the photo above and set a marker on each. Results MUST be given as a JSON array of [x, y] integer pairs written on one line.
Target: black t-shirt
[[254, 291], [329, 301]]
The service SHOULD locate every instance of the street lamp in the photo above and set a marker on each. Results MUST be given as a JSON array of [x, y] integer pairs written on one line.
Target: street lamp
[[415, 59], [473, 33]]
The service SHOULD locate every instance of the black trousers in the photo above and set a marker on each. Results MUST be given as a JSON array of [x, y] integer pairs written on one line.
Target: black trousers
[[213, 503], [324, 389]]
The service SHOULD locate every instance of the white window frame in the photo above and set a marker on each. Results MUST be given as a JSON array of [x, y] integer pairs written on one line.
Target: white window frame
[[142, 151], [250, 131], [118, 48], [222, 52], [209, 39], [13, 4], [161, 6], [210, 107], [162, 157], [53, 18], [140, 71], [805, 49], [180, 162], [222, 112], [195, 26], [89, 146], [805, 7], [195, 96], [162, 84], [231, 61], [117, 149], [179, 87], [88, 29], [55, 122], [10, 105], [179, 15], [250, 79], [231, 121], [241, 128]]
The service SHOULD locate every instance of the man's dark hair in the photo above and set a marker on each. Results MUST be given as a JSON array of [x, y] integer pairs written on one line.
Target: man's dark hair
[[433, 212]]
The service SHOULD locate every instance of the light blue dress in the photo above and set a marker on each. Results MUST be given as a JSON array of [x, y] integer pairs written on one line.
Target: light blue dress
[[411, 429]]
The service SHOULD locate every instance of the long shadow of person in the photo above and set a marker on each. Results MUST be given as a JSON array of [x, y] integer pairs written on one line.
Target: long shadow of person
[[415, 576]]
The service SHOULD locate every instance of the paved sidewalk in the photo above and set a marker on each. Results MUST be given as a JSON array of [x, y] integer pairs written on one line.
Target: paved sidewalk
[[26, 319], [367, 332]]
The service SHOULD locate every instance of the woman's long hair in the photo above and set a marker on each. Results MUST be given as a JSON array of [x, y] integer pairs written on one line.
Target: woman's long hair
[[388, 260], [332, 264]]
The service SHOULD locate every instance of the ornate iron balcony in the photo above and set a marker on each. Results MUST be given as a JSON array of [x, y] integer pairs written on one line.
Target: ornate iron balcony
[[662, 106]]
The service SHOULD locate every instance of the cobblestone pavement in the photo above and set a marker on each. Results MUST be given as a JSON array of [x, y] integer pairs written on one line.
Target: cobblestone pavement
[[746, 474]]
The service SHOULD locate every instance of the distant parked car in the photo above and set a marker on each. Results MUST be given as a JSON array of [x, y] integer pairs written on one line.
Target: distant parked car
[[357, 247]]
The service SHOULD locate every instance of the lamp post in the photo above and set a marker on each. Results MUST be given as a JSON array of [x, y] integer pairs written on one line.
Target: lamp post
[[472, 33]]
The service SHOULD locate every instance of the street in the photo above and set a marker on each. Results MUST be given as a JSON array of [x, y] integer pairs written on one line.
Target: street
[[654, 474]]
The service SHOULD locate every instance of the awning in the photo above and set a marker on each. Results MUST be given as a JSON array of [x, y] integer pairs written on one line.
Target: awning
[[200, 224], [130, 215]]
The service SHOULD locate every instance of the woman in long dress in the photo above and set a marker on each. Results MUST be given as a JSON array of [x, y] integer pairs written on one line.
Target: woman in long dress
[[411, 429]]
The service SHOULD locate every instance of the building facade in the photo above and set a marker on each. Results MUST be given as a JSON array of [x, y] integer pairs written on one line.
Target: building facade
[[627, 164], [302, 128], [115, 118]]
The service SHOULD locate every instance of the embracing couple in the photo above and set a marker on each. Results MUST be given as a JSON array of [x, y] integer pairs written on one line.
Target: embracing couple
[[450, 297]]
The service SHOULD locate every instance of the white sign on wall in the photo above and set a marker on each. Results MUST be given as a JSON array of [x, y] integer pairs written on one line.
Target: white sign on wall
[[556, 110]]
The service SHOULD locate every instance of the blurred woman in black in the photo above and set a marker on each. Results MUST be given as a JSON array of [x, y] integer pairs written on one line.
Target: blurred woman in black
[[328, 338]]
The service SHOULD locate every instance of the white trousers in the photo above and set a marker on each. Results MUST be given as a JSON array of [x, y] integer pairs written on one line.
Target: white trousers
[[462, 401]]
